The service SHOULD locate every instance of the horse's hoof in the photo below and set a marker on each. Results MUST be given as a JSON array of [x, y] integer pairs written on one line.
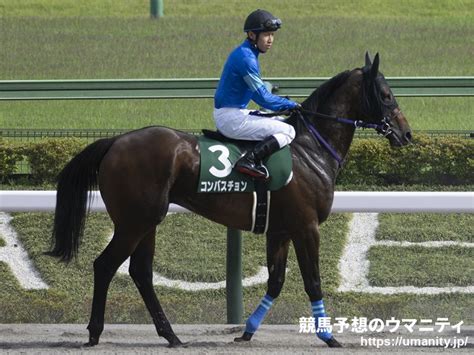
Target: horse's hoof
[[240, 339], [245, 337], [176, 343], [92, 342], [333, 343]]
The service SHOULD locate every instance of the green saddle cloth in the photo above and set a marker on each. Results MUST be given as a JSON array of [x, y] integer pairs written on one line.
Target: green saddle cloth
[[218, 158]]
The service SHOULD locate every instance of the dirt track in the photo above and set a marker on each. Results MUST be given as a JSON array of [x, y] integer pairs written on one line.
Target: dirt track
[[202, 339]]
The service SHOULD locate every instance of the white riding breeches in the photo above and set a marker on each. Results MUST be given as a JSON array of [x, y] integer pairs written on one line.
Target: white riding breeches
[[238, 124]]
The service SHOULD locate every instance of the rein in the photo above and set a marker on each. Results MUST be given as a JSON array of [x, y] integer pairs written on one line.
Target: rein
[[318, 137], [382, 128]]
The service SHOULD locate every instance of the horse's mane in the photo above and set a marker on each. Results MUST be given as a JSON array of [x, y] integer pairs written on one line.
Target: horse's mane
[[320, 95]]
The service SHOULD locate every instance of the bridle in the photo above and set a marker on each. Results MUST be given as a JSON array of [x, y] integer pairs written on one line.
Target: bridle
[[384, 127]]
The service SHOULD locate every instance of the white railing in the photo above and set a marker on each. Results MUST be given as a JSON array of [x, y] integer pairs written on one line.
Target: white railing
[[344, 201]]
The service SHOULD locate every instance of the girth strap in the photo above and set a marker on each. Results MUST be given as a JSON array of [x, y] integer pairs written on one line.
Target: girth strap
[[261, 208]]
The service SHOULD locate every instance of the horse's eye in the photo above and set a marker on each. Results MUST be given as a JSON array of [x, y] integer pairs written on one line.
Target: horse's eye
[[387, 97]]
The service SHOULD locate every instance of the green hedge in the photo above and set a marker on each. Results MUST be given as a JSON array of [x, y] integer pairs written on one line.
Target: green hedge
[[429, 160], [10, 154], [46, 158], [441, 160]]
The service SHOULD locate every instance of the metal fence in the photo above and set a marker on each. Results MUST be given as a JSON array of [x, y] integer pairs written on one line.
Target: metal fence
[[198, 88], [205, 88], [195, 88], [90, 135]]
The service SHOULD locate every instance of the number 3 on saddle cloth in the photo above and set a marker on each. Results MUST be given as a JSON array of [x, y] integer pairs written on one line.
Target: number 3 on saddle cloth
[[218, 156]]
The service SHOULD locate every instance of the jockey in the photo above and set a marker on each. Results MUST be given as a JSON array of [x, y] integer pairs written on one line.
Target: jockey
[[241, 82]]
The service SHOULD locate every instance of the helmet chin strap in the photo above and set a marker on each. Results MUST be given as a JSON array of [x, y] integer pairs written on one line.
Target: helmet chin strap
[[254, 42]]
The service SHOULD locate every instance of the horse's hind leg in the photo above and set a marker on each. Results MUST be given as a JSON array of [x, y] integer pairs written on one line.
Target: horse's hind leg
[[277, 255], [141, 272], [105, 267]]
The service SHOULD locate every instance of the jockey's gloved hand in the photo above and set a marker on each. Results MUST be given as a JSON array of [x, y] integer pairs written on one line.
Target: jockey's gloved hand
[[295, 109], [290, 111], [298, 107], [286, 112]]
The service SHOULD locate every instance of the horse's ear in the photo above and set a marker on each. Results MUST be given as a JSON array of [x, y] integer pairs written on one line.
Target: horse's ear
[[368, 61], [375, 66]]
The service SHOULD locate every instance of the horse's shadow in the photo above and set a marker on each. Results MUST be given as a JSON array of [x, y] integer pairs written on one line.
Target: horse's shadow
[[106, 345], [18, 345]]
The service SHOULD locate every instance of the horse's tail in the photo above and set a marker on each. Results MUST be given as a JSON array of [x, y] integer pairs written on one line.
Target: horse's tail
[[74, 181]]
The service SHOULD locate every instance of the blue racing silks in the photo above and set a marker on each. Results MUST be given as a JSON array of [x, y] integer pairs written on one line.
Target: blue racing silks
[[241, 82]]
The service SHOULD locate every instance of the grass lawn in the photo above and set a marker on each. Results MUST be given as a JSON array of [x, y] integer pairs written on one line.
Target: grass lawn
[[193, 249], [209, 8], [419, 227], [421, 267], [52, 39]]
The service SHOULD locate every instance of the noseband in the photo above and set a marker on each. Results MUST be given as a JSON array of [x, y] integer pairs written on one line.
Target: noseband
[[385, 125]]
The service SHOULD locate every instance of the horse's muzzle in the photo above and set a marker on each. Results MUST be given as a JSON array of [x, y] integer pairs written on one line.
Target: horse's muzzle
[[400, 131]]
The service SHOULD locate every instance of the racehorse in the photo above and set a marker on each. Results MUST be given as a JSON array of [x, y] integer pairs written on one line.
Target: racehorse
[[141, 172]]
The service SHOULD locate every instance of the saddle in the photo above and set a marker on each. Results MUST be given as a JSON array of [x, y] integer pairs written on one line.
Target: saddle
[[244, 145], [218, 155]]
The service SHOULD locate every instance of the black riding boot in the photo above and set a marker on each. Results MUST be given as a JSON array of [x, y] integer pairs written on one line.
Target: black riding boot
[[251, 162]]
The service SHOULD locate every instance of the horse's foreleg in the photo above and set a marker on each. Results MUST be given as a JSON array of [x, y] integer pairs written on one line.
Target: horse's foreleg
[[307, 252], [141, 271], [277, 255], [105, 267]]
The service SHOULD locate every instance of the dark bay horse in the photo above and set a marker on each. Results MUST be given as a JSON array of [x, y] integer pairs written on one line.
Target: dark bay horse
[[141, 172]]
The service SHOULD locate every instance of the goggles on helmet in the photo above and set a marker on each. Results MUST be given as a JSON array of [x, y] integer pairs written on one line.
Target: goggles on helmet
[[272, 24]]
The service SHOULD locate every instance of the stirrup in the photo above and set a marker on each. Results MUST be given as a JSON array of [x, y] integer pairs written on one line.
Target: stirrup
[[259, 175]]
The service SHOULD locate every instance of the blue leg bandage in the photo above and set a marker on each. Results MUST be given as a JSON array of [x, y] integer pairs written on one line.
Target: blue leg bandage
[[318, 311], [257, 316]]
